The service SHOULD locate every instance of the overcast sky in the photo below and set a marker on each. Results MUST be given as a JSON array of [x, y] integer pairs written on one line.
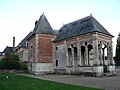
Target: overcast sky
[[17, 17]]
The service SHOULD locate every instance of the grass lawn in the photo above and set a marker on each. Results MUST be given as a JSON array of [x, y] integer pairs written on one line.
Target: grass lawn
[[16, 82]]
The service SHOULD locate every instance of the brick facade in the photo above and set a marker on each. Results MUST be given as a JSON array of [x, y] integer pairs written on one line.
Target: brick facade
[[45, 48]]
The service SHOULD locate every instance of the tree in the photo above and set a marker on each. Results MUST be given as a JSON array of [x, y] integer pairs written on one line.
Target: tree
[[10, 62], [117, 56]]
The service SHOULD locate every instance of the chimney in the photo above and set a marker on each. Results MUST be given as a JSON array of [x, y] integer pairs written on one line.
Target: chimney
[[36, 22], [13, 43]]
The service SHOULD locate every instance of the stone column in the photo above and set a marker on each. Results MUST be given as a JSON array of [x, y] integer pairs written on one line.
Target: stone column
[[111, 55], [73, 63], [95, 50], [111, 67], [108, 55], [100, 54], [80, 56], [86, 55], [97, 69], [78, 53]]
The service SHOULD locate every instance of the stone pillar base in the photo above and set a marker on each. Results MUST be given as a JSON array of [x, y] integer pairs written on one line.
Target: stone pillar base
[[98, 70], [71, 70], [111, 69]]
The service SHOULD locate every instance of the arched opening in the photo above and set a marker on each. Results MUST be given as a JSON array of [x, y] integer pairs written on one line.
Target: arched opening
[[104, 57], [90, 55], [104, 53], [69, 56], [82, 55], [75, 56]]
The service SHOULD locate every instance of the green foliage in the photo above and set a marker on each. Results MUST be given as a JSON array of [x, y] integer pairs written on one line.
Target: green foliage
[[16, 82], [117, 57], [10, 62], [2, 65]]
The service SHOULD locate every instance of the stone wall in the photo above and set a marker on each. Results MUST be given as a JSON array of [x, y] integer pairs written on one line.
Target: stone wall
[[23, 55], [60, 55], [41, 68]]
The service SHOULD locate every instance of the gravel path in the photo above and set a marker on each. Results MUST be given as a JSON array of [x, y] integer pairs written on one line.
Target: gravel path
[[105, 83]]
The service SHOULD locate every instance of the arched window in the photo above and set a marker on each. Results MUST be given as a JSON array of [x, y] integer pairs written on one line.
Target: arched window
[[82, 55], [90, 55]]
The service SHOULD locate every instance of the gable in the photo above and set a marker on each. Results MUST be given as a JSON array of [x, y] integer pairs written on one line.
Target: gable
[[22, 44]]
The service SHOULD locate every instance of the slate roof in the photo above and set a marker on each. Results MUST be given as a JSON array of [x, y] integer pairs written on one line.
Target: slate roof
[[82, 26], [22, 44], [43, 26], [1, 53], [56, 31], [8, 50]]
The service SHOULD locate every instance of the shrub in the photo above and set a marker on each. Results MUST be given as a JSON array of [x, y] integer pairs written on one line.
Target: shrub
[[10, 62], [24, 66]]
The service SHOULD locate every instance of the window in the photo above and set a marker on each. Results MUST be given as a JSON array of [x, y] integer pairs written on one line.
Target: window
[[85, 43], [72, 45], [56, 48], [56, 62]]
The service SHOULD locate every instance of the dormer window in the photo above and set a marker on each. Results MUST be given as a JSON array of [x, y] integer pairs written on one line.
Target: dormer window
[[26, 44]]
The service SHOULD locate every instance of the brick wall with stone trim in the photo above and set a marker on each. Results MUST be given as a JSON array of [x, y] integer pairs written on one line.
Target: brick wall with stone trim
[[45, 48]]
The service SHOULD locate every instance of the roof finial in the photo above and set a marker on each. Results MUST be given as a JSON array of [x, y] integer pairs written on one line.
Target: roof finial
[[43, 12], [90, 14]]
